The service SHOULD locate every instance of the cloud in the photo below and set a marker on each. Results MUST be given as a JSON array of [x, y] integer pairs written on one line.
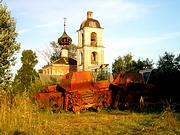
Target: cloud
[[131, 42]]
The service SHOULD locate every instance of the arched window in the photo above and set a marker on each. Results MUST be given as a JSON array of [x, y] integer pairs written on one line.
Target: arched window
[[93, 39], [94, 58]]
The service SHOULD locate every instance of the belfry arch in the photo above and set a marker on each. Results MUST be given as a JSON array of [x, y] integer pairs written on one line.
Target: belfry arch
[[93, 39]]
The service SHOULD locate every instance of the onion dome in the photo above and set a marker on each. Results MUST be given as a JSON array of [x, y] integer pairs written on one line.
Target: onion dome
[[90, 22], [64, 39]]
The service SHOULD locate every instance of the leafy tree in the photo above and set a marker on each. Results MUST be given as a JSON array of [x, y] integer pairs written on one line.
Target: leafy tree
[[169, 69], [141, 65], [8, 45], [169, 63], [148, 64], [26, 75], [127, 64], [122, 64]]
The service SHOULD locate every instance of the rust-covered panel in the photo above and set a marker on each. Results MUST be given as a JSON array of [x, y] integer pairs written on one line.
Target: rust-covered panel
[[77, 80], [49, 100], [127, 88]]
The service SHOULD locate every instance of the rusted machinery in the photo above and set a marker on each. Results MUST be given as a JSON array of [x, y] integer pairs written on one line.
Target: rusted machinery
[[78, 91], [127, 90], [91, 89], [51, 97], [143, 90], [161, 89]]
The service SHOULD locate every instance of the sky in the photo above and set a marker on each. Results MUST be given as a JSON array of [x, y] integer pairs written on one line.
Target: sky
[[144, 28]]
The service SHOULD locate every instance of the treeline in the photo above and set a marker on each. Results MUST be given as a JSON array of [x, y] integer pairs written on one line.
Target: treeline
[[166, 79], [167, 63]]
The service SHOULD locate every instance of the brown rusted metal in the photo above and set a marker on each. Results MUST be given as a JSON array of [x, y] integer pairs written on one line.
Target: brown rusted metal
[[78, 91], [127, 89], [50, 98]]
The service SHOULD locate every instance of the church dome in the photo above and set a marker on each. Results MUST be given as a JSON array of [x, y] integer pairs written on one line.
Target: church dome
[[90, 22], [64, 39]]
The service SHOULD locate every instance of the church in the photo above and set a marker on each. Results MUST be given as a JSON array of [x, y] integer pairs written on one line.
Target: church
[[90, 50]]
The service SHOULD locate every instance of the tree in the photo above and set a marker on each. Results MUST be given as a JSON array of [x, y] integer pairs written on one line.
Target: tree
[[141, 64], [53, 52], [169, 70], [169, 63], [56, 53], [122, 64], [26, 75], [8, 45], [127, 64]]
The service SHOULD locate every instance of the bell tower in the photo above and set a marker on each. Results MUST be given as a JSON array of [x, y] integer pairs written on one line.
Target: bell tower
[[90, 52]]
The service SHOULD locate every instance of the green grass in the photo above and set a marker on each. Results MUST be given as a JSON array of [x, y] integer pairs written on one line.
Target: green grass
[[23, 117]]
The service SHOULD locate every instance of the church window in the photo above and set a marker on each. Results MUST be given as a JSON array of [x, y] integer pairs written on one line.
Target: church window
[[94, 58], [93, 39]]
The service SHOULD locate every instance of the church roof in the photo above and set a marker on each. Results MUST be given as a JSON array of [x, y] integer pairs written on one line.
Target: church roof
[[65, 61], [90, 22], [64, 39]]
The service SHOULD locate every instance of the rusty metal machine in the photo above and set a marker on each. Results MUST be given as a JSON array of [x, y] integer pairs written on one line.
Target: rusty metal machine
[[50, 98], [127, 90], [78, 91], [143, 90]]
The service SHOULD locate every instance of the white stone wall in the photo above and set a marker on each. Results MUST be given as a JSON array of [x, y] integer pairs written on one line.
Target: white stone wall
[[87, 49]]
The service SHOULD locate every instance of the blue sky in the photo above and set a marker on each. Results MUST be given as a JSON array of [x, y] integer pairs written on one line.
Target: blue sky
[[144, 28]]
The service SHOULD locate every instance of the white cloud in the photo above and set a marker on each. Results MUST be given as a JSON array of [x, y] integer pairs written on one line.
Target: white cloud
[[132, 42]]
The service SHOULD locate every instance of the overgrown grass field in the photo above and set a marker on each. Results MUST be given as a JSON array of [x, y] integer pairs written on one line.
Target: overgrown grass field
[[24, 117]]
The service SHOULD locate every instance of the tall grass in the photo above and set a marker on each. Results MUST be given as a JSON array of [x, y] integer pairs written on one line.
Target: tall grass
[[24, 117], [19, 117]]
